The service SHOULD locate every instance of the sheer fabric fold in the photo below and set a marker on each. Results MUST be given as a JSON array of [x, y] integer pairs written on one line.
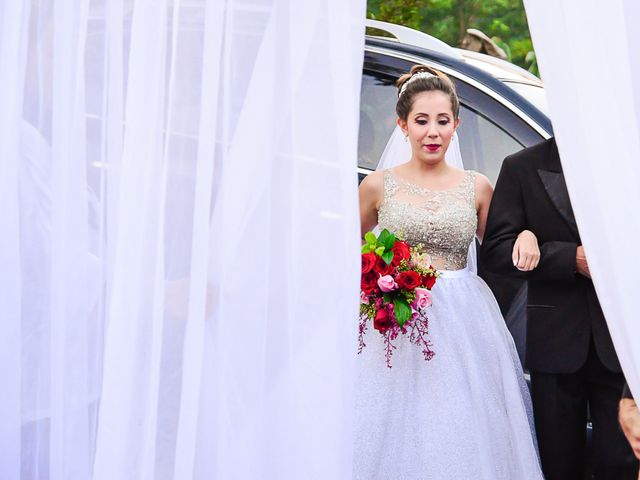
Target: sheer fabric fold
[[595, 117], [179, 280]]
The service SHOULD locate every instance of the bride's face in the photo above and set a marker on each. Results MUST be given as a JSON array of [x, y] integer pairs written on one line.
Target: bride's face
[[430, 126]]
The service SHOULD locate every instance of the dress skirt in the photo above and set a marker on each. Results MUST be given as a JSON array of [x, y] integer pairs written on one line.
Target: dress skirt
[[465, 414]]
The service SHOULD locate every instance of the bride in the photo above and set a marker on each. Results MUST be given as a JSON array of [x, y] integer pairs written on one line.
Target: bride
[[465, 414]]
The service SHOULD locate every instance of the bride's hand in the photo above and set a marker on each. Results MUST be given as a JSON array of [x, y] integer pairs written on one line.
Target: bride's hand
[[526, 253]]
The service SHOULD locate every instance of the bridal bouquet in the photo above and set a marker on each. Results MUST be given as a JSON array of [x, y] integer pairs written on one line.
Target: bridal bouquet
[[395, 292]]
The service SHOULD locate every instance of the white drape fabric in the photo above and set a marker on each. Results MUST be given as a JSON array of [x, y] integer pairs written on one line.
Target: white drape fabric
[[178, 260], [593, 86]]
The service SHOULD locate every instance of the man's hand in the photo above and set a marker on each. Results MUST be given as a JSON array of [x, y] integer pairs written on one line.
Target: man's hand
[[526, 253], [629, 418], [581, 262]]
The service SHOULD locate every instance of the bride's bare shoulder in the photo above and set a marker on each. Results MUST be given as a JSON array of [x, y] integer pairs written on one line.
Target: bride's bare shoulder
[[483, 184], [373, 182], [483, 189], [372, 190]]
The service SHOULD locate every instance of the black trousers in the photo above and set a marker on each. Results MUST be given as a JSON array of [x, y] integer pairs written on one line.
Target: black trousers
[[560, 408]]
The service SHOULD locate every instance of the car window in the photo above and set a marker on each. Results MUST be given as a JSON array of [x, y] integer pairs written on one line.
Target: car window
[[483, 143], [377, 117]]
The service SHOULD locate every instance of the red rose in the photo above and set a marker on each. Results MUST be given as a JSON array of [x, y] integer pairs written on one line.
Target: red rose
[[369, 282], [428, 281], [401, 251], [383, 320], [368, 261], [382, 268], [409, 280]]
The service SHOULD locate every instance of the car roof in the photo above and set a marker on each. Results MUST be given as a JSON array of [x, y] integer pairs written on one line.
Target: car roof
[[501, 69], [410, 36], [498, 67], [458, 64]]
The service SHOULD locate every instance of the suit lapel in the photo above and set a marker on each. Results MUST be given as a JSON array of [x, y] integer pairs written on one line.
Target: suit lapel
[[553, 180], [556, 189]]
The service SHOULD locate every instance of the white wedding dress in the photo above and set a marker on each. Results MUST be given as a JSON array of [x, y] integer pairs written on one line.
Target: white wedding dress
[[465, 414]]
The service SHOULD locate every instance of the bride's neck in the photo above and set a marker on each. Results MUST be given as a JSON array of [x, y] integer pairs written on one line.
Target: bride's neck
[[420, 166]]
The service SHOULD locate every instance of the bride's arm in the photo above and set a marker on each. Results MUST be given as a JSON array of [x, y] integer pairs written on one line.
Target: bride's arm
[[484, 192], [370, 194]]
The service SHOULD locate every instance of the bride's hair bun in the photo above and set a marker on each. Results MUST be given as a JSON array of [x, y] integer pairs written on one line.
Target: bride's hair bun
[[422, 78]]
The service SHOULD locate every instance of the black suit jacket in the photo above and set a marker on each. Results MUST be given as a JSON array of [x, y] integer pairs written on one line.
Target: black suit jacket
[[563, 311]]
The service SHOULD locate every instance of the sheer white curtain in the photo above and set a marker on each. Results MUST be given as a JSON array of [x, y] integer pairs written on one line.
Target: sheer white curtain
[[587, 51], [179, 271]]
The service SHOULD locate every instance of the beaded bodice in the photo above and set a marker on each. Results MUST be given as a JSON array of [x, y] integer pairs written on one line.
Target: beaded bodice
[[443, 221]]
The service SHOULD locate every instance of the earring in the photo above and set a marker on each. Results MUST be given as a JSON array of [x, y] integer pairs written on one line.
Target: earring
[[406, 138]]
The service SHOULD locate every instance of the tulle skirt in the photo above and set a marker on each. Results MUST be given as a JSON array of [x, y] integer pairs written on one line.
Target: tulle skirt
[[465, 414]]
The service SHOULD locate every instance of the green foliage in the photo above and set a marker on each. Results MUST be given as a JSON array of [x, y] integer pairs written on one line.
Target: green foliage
[[402, 310], [401, 12], [449, 20], [382, 245], [504, 46], [532, 61]]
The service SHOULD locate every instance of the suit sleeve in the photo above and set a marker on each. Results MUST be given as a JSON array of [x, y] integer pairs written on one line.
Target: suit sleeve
[[626, 393], [506, 219]]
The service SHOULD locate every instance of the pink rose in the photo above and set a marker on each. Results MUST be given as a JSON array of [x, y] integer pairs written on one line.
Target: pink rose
[[387, 283], [423, 298], [364, 298]]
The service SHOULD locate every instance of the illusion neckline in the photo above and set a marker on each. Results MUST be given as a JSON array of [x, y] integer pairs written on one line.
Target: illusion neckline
[[458, 186]]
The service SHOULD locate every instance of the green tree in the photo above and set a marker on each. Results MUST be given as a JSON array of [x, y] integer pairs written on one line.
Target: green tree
[[503, 20], [401, 12]]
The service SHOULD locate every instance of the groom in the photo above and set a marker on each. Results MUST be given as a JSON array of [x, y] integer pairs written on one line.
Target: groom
[[569, 352]]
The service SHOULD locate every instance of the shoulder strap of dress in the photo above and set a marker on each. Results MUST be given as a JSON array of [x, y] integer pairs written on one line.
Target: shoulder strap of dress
[[389, 183], [471, 184]]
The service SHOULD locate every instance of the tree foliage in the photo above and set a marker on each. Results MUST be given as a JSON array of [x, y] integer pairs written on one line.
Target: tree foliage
[[503, 20]]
